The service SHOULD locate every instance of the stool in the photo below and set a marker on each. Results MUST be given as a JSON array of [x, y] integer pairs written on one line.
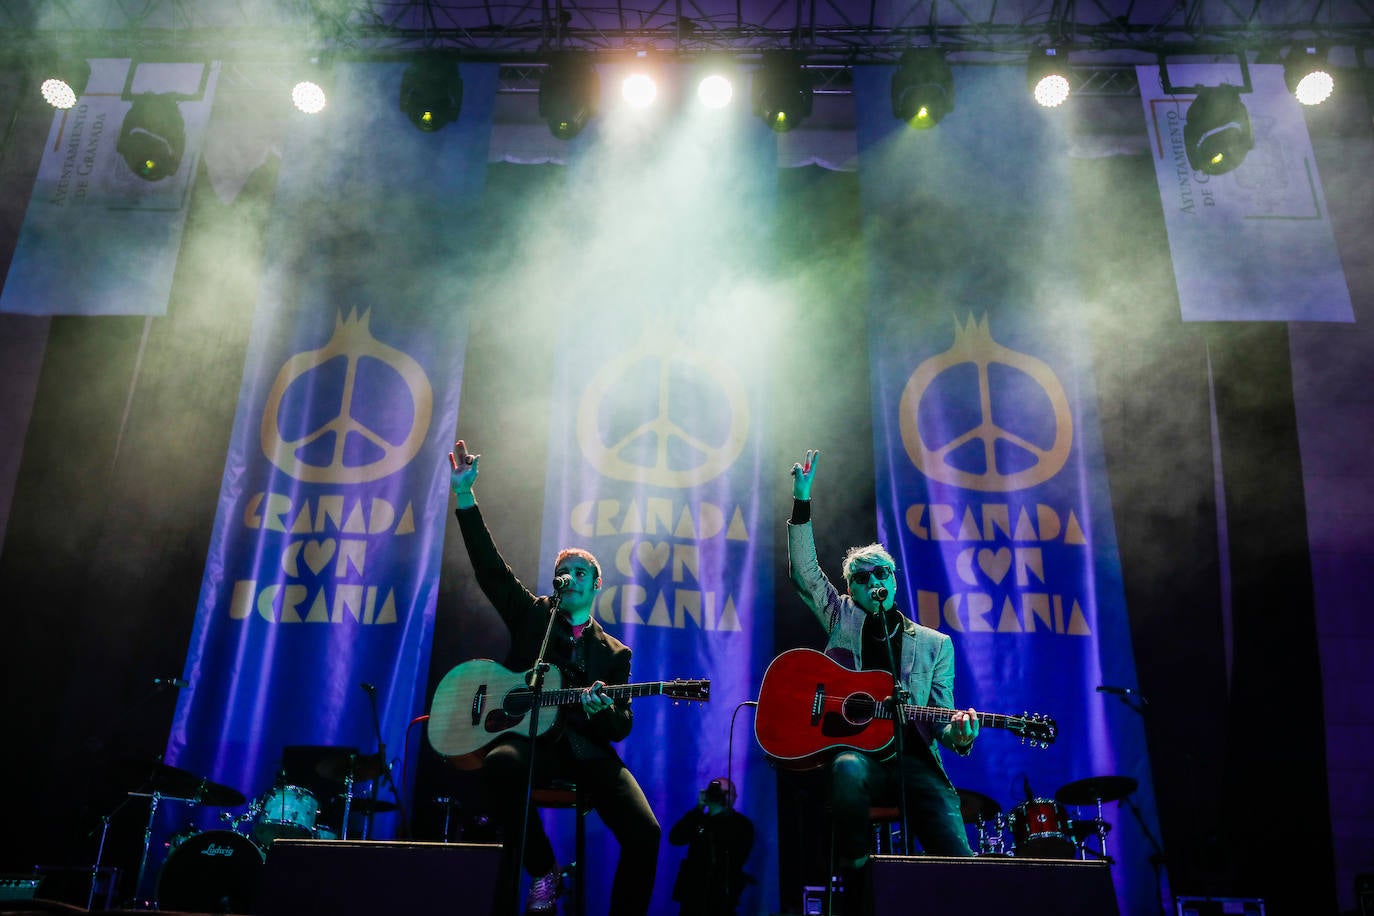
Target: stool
[[562, 794], [885, 819]]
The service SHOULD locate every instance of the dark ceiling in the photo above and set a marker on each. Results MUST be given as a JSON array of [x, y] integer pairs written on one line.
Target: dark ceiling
[[826, 31]]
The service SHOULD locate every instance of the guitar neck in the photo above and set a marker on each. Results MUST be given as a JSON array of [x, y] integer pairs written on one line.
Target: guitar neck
[[568, 695], [941, 715]]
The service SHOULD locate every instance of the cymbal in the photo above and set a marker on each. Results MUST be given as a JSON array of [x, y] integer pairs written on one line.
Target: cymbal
[[1094, 789], [337, 766], [977, 807], [173, 782]]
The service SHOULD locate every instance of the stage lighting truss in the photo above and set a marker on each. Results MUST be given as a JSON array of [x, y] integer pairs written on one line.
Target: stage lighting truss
[[1307, 76], [1047, 76], [1217, 133], [569, 95], [63, 85], [431, 93], [922, 88], [783, 93]]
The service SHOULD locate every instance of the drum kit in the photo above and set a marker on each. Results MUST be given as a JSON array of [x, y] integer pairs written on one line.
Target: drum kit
[[216, 871], [1042, 828]]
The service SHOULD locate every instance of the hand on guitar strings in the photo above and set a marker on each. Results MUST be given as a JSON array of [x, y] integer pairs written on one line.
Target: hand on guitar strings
[[962, 728], [594, 701]]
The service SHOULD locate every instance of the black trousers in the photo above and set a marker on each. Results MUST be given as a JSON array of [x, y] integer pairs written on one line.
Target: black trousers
[[611, 790], [857, 781]]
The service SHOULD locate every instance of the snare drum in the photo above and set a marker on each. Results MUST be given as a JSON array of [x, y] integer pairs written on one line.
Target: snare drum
[[1040, 828], [215, 871], [286, 811]]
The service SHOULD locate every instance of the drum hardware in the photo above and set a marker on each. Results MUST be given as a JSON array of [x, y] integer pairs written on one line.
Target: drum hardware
[[983, 812], [349, 767], [1095, 790], [448, 803], [159, 782]]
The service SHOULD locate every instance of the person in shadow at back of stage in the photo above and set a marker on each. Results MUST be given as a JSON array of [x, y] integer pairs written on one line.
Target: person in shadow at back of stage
[[718, 840]]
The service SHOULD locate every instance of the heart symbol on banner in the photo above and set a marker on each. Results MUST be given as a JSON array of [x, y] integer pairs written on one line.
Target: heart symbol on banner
[[318, 554], [995, 563], [653, 557]]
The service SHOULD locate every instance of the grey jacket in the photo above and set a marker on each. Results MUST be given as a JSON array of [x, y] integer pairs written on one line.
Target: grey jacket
[[927, 663]]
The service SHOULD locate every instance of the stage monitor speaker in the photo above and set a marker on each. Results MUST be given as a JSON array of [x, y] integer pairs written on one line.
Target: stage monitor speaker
[[377, 878], [986, 884]]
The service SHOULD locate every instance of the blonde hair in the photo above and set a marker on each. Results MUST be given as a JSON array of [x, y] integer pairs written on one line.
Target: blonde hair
[[872, 553]]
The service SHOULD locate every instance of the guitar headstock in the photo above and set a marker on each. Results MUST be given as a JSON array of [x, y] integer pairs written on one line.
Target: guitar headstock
[[1039, 730], [698, 690]]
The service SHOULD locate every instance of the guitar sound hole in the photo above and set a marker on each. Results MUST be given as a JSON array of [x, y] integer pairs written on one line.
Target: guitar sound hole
[[858, 708], [516, 702]]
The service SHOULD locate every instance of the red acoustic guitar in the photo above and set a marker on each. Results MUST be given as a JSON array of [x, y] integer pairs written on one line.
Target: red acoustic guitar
[[811, 707]]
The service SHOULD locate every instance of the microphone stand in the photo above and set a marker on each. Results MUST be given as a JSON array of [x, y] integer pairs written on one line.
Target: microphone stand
[[535, 679], [1157, 860], [899, 698], [386, 771]]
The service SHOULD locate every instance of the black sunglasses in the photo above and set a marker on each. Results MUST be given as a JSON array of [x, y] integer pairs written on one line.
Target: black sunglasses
[[877, 574]]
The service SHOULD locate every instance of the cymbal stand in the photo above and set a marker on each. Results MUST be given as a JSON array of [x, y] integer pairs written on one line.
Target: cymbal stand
[[153, 798], [1157, 860], [348, 797], [1100, 826], [99, 854]]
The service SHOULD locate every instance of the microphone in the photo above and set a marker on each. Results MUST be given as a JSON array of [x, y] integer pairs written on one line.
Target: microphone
[[1121, 691], [370, 688], [561, 582], [1025, 786], [172, 681], [879, 595]]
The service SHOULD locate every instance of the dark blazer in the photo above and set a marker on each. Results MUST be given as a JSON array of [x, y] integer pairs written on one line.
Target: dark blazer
[[597, 656]]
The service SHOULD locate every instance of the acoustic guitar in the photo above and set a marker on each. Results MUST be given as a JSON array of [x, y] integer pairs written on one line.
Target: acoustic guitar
[[811, 707], [479, 701]]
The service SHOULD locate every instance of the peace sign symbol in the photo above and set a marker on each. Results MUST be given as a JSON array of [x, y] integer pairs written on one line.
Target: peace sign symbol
[[653, 451], [353, 341], [983, 467]]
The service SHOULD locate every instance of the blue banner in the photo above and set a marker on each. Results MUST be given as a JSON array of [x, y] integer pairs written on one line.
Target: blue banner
[[325, 556], [991, 487], [99, 239], [659, 428]]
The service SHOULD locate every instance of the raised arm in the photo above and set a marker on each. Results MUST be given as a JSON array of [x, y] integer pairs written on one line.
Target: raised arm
[[497, 581], [803, 567]]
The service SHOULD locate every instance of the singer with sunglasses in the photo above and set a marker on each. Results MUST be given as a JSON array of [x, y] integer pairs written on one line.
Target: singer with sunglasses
[[580, 748], [867, 631]]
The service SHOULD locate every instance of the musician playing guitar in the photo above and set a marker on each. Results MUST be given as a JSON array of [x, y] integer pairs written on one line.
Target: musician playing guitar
[[579, 747], [858, 623]]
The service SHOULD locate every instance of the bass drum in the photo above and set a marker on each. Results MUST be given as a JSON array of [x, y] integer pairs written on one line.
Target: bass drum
[[212, 872]]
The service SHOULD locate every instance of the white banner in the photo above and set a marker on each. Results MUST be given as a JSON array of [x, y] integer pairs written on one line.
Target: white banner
[[1255, 243], [99, 239]]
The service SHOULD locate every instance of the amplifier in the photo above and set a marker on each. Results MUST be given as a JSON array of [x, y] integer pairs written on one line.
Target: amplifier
[[18, 887]]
